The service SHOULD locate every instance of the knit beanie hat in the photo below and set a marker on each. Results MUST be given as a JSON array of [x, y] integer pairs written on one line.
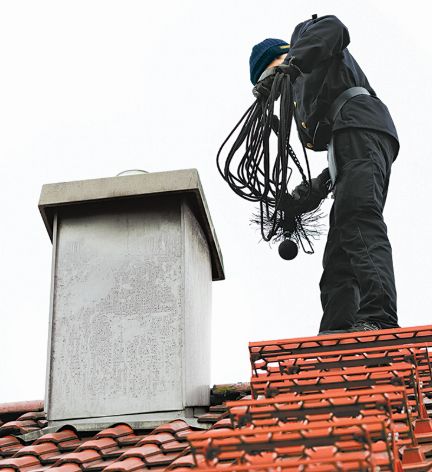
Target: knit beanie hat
[[263, 54]]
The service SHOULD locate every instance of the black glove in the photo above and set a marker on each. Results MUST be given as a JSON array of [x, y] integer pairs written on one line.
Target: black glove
[[310, 197], [262, 89], [307, 199], [290, 69]]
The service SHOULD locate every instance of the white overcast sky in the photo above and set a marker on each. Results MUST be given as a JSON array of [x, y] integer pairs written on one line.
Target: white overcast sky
[[90, 88]]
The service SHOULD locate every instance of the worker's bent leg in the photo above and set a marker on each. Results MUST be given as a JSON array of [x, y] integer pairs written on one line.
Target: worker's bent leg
[[364, 161]]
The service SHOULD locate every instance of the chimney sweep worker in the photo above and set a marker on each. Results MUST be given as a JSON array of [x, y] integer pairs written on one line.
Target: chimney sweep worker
[[337, 110]]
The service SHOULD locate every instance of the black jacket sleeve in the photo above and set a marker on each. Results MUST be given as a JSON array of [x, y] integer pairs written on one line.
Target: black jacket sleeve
[[317, 40]]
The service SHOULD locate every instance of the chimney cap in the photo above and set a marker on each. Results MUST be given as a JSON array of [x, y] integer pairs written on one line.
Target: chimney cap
[[54, 196]]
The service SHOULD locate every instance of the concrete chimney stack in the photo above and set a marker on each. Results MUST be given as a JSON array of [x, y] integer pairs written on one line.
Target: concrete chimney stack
[[134, 258]]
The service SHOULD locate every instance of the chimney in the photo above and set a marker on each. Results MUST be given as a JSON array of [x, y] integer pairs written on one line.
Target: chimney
[[132, 266]]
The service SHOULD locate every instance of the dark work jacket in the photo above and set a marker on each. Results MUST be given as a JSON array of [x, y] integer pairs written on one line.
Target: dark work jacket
[[319, 49]]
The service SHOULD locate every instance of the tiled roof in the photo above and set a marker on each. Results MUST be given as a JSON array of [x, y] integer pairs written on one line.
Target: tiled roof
[[22, 417], [118, 448], [354, 402]]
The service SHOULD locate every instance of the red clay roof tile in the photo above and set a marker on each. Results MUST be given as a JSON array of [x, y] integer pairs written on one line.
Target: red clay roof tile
[[217, 409], [172, 427], [20, 463], [180, 469], [97, 466], [182, 435], [224, 423], [174, 446], [66, 442], [129, 440], [185, 461], [142, 451], [161, 459], [83, 457], [66, 468], [127, 465], [41, 451], [69, 446], [57, 438], [32, 415], [115, 432], [100, 445], [9, 441], [209, 418], [166, 448], [159, 438], [9, 452], [21, 407], [112, 455], [19, 427]]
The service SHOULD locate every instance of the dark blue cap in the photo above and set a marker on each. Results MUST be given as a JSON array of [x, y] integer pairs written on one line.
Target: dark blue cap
[[263, 54]]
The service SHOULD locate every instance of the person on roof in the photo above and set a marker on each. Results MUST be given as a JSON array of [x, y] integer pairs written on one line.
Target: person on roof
[[337, 110]]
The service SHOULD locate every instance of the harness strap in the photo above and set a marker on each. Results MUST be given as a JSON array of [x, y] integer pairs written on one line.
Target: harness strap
[[344, 97], [332, 115]]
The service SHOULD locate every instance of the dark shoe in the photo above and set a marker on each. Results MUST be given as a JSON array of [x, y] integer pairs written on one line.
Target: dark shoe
[[364, 326], [357, 326], [333, 331]]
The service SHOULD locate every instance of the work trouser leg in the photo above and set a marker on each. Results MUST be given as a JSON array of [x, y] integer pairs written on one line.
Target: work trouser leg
[[340, 295], [361, 249]]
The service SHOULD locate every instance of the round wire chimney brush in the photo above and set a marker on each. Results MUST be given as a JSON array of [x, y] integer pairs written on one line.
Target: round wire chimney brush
[[259, 166]]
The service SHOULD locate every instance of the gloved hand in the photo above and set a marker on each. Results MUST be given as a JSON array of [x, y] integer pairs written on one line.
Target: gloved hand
[[289, 68], [263, 88], [305, 199], [301, 191], [311, 197]]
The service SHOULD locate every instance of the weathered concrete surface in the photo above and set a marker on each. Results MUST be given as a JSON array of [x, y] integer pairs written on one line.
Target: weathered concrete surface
[[182, 182], [130, 309], [197, 300]]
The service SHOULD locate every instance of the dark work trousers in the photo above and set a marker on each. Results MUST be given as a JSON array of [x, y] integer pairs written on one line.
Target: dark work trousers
[[358, 280]]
